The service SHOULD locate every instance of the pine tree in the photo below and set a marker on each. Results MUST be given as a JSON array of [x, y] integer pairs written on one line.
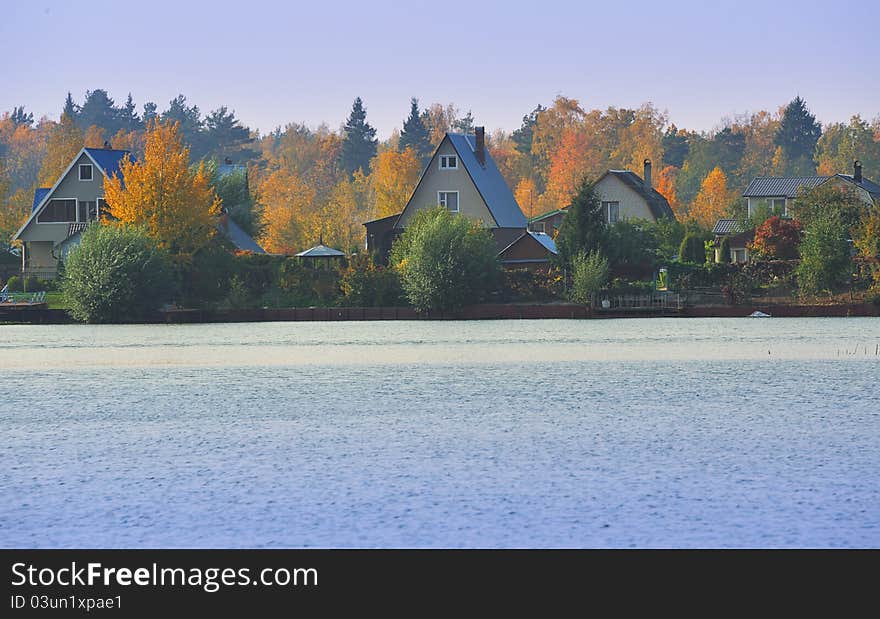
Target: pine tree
[[359, 144], [98, 109], [150, 112], [465, 124], [19, 117], [70, 108], [797, 136], [583, 228], [128, 116], [225, 135], [415, 134]]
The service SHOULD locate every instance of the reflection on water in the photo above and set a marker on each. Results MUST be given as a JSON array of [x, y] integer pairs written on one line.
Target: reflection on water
[[660, 432]]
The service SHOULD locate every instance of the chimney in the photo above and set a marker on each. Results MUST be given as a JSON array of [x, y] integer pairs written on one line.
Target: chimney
[[648, 173], [107, 145], [857, 171], [480, 148]]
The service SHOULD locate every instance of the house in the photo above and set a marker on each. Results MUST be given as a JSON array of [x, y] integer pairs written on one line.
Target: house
[[625, 195], [738, 240], [776, 194], [462, 176], [548, 223], [60, 213]]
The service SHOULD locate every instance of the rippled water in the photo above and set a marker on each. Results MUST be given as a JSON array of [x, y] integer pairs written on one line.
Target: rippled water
[[659, 432]]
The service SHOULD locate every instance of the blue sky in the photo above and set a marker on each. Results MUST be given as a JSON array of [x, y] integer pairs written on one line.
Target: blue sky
[[278, 62]]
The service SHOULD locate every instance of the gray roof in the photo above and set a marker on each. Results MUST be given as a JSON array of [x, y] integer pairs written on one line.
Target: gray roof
[[727, 226], [491, 185], [870, 186], [781, 186], [237, 236], [320, 251], [656, 202]]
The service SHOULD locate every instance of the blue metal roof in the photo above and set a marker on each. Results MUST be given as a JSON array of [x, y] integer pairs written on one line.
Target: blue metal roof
[[108, 159], [39, 194], [546, 240], [241, 239], [489, 182]]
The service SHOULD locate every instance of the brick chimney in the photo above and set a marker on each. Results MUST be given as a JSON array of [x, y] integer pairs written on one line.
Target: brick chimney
[[648, 173], [857, 171], [480, 148]]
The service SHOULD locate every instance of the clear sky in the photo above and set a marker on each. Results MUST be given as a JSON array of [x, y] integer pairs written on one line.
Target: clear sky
[[275, 62]]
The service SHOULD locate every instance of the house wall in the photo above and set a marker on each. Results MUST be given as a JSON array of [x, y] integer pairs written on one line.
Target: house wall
[[864, 195], [551, 224], [470, 203], [39, 254], [632, 205], [753, 205], [69, 187]]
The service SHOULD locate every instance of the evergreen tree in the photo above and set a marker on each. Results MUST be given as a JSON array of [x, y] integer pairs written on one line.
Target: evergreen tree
[[522, 137], [415, 134], [98, 109], [128, 117], [797, 136], [225, 136], [464, 125], [150, 112], [71, 109], [190, 119], [20, 117], [675, 147], [359, 143], [583, 228]]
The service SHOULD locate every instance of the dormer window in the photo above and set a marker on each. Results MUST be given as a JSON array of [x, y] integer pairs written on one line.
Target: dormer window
[[448, 162], [85, 172]]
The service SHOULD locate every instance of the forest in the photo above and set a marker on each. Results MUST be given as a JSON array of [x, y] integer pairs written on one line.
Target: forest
[[306, 182]]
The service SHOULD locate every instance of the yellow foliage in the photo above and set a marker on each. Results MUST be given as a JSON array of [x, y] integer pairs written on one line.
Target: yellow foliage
[[665, 186], [526, 194], [65, 141], [289, 217], [713, 201], [94, 137], [393, 178], [162, 193]]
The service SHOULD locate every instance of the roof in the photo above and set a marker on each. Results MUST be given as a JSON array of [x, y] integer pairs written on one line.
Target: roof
[[39, 194], [488, 180], [241, 239], [656, 202], [741, 239], [779, 186], [381, 219], [109, 159], [320, 251], [559, 211], [546, 240], [226, 169], [727, 226], [870, 186]]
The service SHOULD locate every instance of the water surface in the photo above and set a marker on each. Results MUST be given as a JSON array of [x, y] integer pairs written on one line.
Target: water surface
[[656, 432]]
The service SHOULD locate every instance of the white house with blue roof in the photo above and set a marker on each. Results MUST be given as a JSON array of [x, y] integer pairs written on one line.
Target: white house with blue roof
[[463, 177], [59, 213]]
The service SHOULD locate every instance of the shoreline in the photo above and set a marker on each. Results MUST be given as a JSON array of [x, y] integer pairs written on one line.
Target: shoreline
[[486, 311]]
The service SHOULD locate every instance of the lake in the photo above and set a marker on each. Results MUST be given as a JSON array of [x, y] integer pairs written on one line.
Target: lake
[[557, 433]]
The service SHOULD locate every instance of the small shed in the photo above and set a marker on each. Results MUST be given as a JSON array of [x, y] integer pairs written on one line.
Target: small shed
[[322, 257]]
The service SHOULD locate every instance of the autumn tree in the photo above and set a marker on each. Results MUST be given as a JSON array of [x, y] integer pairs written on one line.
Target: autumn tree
[[415, 134], [526, 195], [94, 136], [394, 176], [359, 144], [714, 200], [665, 186], [288, 205], [842, 144], [65, 141], [777, 239], [797, 136], [173, 202]]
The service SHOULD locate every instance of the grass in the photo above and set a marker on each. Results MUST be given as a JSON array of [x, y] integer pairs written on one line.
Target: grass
[[56, 300]]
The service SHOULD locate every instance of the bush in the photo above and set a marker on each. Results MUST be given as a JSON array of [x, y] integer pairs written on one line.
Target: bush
[[528, 285], [15, 284], [589, 274], [445, 261], [825, 256], [632, 248], [724, 250], [116, 274], [692, 249], [777, 239], [365, 284]]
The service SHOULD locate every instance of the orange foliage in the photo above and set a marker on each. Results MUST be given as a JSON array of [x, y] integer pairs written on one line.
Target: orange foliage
[[393, 178], [665, 186], [713, 201]]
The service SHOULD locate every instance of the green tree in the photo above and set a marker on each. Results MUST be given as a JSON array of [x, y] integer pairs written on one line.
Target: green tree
[[128, 116], [71, 109], [191, 125], [825, 256], [21, 118], [692, 248], [415, 134], [826, 200], [797, 136], [445, 261], [238, 202], [675, 147], [589, 272], [359, 143], [116, 274], [226, 137], [632, 248], [98, 109], [583, 227], [366, 284]]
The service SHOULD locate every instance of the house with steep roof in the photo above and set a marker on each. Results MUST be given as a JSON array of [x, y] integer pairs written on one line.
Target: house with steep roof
[[775, 194], [462, 176], [738, 240], [626, 195], [61, 212]]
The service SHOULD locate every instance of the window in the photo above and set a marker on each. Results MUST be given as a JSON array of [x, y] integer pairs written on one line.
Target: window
[[85, 172], [739, 255], [58, 211], [538, 226], [449, 199], [88, 210], [448, 162], [777, 205], [612, 211]]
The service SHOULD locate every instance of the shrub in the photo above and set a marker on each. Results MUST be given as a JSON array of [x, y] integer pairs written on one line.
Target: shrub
[[528, 285], [777, 239], [825, 256], [15, 284], [724, 250], [445, 261], [365, 284], [692, 249], [632, 248], [116, 274], [589, 274]]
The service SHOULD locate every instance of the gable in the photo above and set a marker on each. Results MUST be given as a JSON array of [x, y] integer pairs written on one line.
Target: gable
[[847, 183], [632, 204], [528, 248], [434, 180]]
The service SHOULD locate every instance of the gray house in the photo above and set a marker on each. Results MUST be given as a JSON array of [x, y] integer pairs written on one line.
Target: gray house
[[61, 212], [463, 177]]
